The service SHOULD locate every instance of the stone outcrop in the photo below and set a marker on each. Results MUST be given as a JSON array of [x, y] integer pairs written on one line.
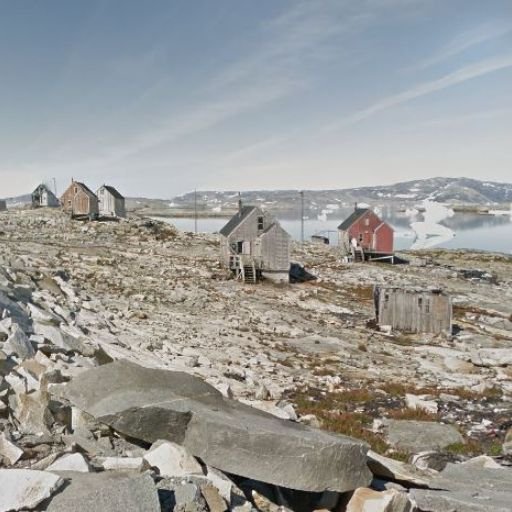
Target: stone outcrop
[[418, 436], [466, 488], [148, 405]]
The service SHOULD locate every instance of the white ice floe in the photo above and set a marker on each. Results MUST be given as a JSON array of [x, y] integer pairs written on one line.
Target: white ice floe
[[430, 233]]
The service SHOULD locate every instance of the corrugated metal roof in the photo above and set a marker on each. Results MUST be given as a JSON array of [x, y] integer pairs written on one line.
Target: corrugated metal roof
[[236, 220], [356, 214]]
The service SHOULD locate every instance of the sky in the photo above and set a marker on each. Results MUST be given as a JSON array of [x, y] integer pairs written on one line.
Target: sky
[[165, 96]]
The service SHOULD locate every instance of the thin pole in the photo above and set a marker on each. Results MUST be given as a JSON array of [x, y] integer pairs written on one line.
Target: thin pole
[[195, 210], [55, 186], [302, 216]]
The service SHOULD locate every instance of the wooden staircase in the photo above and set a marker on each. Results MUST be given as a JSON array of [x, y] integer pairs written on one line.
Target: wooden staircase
[[245, 268], [357, 255], [250, 274]]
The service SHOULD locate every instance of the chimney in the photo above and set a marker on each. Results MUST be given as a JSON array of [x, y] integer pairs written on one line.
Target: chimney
[[355, 206], [239, 204]]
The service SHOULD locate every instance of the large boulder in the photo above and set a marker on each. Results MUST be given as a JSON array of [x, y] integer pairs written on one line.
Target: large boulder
[[419, 436], [150, 405], [464, 488]]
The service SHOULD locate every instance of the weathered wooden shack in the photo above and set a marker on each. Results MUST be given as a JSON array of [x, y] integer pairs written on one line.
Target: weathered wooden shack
[[80, 201], [110, 202], [364, 235], [3, 205], [413, 310], [43, 197], [255, 245]]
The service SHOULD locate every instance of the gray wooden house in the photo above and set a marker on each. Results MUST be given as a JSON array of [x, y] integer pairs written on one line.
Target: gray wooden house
[[3, 205], [254, 245], [413, 310], [43, 197], [110, 202]]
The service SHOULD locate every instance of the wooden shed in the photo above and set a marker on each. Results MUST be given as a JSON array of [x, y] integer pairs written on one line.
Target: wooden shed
[[43, 197], [255, 245], [80, 201], [413, 310], [365, 235], [110, 202]]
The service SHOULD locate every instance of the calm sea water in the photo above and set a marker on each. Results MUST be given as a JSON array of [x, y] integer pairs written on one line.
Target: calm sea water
[[472, 231]]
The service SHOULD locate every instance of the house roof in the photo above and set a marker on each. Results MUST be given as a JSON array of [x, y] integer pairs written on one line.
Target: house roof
[[42, 186], [84, 187], [236, 220], [113, 191], [355, 215]]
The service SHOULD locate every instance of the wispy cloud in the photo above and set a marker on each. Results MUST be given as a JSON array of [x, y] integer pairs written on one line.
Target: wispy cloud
[[465, 41], [457, 77]]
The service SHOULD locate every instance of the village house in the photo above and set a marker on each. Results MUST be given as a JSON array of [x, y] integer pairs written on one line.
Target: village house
[[413, 310], [43, 197], [110, 202], [364, 235], [79, 201], [3, 205], [254, 245]]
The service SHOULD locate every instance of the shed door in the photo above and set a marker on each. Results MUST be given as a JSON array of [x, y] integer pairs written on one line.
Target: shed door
[[367, 239], [246, 248]]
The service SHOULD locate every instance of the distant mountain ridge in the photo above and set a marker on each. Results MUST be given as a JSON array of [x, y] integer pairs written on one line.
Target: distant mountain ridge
[[452, 191]]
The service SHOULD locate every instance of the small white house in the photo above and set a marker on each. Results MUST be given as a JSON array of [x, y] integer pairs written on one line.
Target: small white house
[[111, 202]]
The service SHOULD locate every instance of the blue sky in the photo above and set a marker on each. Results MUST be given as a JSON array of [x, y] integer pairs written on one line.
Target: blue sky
[[161, 97]]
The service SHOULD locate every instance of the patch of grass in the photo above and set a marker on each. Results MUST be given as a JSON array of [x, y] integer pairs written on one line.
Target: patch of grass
[[461, 310], [330, 409], [399, 389], [413, 414], [493, 393], [402, 340], [360, 293], [362, 347]]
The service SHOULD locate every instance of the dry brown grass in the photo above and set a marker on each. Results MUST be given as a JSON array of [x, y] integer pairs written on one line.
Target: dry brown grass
[[413, 414]]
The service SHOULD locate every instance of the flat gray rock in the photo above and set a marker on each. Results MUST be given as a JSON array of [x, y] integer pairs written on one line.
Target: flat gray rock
[[420, 436], [464, 488], [19, 344], [150, 405], [24, 489], [106, 492]]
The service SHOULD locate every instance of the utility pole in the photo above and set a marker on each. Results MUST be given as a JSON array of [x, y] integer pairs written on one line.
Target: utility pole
[[55, 186], [302, 216], [195, 211]]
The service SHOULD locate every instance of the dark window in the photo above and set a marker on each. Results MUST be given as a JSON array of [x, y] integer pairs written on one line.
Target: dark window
[[386, 300], [240, 247], [260, 223], [427, 306], [420, 302]]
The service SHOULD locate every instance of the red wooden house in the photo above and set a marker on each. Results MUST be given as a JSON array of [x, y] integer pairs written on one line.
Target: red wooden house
[[365, 230]]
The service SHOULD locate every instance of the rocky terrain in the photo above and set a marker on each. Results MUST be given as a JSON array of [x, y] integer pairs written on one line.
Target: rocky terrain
[[136, 374]]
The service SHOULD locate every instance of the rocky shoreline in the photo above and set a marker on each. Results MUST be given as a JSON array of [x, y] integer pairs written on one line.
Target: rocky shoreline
[[85, 307]]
